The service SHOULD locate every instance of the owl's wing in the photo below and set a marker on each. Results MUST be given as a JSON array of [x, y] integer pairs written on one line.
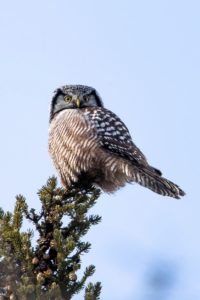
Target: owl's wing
[[114, 135]]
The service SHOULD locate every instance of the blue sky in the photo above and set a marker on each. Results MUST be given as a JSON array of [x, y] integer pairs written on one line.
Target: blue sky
[[144, 59]]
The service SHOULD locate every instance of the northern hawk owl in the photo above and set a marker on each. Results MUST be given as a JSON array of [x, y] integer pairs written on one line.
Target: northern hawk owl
[[89, 144]]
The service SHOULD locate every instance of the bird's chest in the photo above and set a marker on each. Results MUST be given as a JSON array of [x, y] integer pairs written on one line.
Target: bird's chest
[[69, 131]]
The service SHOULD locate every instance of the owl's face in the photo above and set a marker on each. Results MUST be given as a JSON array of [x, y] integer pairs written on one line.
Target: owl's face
[[74, 97]]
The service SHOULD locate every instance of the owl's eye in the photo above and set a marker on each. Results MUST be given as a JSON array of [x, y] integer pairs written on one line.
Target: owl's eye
[[87, 98], [67, 99]]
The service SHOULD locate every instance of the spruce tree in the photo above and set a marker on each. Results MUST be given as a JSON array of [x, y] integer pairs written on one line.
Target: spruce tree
[[47, 269]]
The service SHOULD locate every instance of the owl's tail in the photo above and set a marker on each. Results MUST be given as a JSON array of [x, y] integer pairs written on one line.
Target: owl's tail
[[151, 178]]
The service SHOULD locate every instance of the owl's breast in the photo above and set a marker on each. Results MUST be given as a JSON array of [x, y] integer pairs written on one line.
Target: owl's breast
[[72, 143], [71, 129]]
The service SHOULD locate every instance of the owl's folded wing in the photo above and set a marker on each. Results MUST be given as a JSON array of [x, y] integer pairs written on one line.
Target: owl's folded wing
[[114, 135]]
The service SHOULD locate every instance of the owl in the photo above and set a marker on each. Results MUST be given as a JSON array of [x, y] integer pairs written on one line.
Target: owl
[[90, 145]]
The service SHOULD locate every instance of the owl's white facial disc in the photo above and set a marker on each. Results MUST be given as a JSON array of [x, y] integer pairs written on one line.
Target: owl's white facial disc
[[74, 97]]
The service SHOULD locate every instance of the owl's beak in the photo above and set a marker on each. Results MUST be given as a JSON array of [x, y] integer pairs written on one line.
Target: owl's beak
[[78, 102]]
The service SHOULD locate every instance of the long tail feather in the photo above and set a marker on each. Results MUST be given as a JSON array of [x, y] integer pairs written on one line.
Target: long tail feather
[[153, 181]]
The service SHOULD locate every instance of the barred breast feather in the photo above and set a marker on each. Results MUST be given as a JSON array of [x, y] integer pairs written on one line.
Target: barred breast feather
[[71, 143]]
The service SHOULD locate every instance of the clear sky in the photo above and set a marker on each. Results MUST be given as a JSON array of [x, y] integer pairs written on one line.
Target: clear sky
[[144, 59]]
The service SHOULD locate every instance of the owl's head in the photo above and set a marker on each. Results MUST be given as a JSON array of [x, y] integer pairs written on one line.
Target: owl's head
[[74, 97]]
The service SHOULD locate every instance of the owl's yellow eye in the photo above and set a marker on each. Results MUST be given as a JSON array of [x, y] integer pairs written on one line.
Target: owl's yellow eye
[[87, 98], [67, 99]]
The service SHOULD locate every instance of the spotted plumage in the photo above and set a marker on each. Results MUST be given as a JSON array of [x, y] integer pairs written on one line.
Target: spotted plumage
[[91, 145]]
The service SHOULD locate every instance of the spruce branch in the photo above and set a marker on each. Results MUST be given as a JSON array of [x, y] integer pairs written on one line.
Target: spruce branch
[[48, 269], [92, 291]]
